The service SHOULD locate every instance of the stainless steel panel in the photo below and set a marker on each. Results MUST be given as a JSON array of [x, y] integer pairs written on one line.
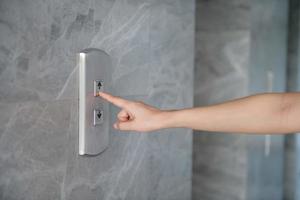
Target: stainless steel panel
[[94, 75]]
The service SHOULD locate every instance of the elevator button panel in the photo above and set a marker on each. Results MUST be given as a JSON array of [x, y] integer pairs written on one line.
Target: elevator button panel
[[94, 76]]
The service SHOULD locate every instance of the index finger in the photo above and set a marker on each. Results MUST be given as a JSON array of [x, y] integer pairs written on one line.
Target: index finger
[[113, 99]]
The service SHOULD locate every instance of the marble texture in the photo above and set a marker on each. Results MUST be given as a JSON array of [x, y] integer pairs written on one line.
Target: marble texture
[[292, 142], [151, 43], [268, 59], [215, 16], [238, 43], [221, 73]]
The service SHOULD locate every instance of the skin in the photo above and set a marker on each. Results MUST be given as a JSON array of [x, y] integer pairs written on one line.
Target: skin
[[267, 113]]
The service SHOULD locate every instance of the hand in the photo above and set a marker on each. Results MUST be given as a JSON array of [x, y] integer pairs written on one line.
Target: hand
[[135, 115]]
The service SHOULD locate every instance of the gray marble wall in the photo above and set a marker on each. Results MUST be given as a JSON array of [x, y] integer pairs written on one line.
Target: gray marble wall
[[239, 44], [292, 142], [151, 43], [222, 56], [267, 73]]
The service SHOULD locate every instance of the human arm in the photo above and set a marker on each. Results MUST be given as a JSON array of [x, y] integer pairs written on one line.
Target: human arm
[[268, 113]]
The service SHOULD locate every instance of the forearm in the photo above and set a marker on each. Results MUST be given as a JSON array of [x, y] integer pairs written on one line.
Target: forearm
[[261, 114]]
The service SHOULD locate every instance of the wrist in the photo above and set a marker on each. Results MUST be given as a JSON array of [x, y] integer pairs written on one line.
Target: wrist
[[169, 119]]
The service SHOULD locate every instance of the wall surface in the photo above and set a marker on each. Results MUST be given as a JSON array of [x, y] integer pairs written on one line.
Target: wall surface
[[240, 50], [151, 43], [222, 56], [292, 142], [267, 73]]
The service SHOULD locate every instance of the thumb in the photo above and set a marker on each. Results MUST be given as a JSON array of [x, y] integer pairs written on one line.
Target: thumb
[[124, 126]]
